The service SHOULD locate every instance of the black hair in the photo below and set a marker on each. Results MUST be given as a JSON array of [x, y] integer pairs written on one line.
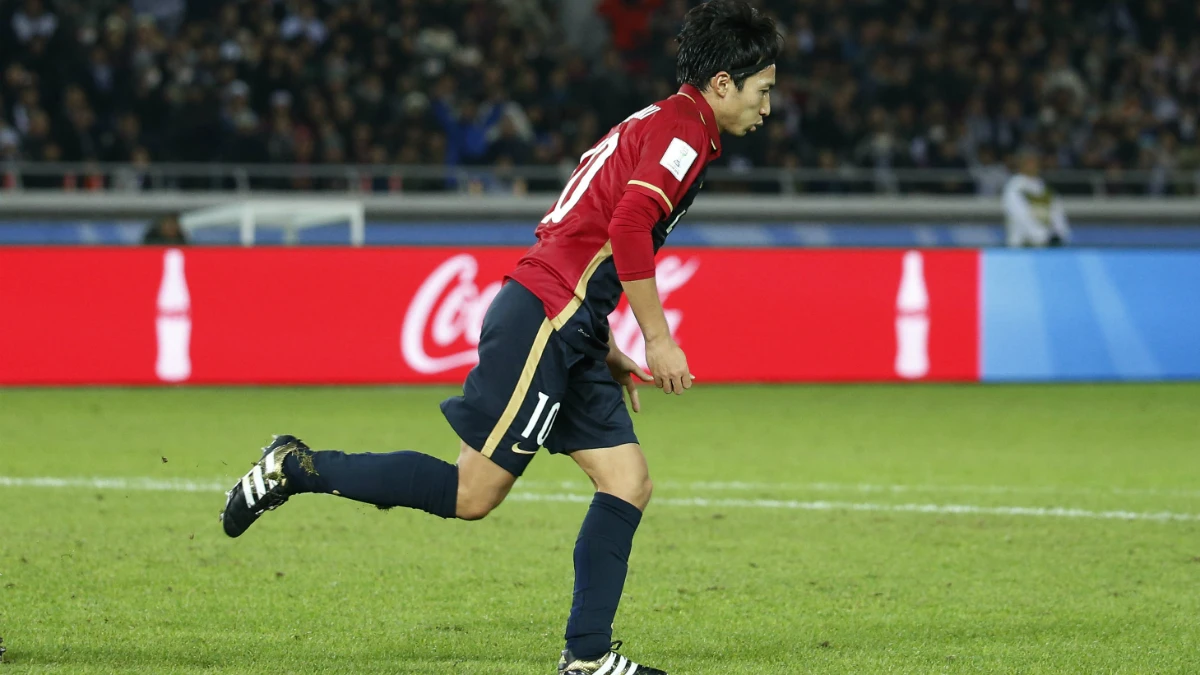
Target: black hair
[[725, 35]]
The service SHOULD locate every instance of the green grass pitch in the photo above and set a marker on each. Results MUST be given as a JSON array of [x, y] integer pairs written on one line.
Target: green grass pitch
[[813, 529]]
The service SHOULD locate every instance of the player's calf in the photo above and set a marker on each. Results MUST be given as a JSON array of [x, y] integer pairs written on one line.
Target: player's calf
[[623, 488]]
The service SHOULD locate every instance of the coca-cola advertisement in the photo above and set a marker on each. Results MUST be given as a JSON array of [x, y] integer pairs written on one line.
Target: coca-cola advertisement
[[413, 315]]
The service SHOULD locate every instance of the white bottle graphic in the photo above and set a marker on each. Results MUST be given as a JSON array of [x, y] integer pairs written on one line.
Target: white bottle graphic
[[912, 320], [174, 321]]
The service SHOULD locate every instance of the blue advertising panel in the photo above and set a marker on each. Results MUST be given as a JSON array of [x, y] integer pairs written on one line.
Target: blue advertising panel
[[1090, 315]]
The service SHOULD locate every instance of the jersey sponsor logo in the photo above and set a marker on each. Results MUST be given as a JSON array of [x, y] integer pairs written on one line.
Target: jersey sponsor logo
[[678, 158], [447, 310], [446, 314]]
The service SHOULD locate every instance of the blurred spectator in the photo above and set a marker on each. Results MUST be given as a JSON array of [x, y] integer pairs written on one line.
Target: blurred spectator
[[1110, 87], [499, 180], [949, 158], [990, 174], [165, 231], [467, 125], [304, 23], [9, 141], [629, 21], [136, 176], [33, 22], [827, 161], [168, 14]]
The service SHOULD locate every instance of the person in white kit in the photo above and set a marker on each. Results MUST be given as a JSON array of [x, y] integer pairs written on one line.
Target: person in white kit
[[1033, 213]]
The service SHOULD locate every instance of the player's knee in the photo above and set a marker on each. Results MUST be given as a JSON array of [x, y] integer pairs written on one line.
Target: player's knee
[[482, 485], [473, 510], [647, 491], [636, 490], [475, 506]]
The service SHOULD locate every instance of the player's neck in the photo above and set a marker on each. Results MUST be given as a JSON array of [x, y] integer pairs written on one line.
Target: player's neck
[[712, 100]]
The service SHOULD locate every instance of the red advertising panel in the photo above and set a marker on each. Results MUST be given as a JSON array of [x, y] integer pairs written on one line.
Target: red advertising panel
[[408, 315]]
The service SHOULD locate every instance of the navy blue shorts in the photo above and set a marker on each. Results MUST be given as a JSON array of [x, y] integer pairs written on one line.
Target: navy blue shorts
[[535, 388]]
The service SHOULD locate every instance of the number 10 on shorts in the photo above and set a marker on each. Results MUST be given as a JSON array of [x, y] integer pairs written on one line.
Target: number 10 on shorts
[[537, 414]]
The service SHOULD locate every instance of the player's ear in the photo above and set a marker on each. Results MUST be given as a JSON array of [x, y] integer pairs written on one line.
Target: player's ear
[[720, 83]]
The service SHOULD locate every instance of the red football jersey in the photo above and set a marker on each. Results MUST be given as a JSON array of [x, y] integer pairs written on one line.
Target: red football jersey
[[660, 151]]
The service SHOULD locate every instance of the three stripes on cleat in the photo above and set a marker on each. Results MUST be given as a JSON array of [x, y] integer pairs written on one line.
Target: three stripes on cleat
[[261, 481], [616, 664]]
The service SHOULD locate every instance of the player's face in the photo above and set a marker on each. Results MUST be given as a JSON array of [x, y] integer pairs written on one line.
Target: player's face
[[748, 108]]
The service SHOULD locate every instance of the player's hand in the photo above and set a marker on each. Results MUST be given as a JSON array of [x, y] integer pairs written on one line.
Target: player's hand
[[627, 372], [669, 365]]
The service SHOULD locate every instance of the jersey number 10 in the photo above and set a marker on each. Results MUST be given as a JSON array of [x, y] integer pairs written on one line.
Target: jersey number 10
[[589, 165]]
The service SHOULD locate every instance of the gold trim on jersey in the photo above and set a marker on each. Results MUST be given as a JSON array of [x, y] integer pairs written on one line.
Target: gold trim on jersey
[[603, 254], [519, 392], [670, 206], [710, 140], [697, 106]]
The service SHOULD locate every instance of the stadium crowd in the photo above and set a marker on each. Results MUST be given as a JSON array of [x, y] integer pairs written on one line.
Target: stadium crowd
[[953, 84]]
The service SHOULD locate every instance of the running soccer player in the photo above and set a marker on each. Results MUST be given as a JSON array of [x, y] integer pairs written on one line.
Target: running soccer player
[[548, 373]]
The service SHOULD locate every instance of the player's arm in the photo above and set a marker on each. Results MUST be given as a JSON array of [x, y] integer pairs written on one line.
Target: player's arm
[[666, 359], [630, 231], [633, 253], [667, 167]]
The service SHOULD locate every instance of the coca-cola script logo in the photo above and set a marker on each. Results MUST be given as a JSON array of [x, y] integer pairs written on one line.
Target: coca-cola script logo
[[446, 315], [458, 320]]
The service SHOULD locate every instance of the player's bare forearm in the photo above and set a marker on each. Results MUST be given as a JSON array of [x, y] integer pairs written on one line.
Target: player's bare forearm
[[667, 362], [647, 308]]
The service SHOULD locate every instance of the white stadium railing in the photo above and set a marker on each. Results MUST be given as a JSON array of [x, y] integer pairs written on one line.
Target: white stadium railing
[[710, 207], [15, 175], [249, 196]]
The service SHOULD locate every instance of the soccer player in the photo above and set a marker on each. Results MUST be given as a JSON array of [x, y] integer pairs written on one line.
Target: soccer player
[[548, 374]]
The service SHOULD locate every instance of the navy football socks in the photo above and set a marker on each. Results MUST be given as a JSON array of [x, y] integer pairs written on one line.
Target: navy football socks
[[601, 561], [390, 479]]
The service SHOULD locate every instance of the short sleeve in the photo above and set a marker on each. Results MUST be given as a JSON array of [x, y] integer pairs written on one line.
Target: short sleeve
[[671, 159]]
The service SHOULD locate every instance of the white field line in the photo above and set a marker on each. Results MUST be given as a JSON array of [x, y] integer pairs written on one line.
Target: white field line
[[876, 488], [182, 485], [179, 485], [957, 509], [135, 484]]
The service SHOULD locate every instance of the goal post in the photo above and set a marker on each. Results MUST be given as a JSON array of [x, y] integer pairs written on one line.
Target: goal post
[[291, 215]]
